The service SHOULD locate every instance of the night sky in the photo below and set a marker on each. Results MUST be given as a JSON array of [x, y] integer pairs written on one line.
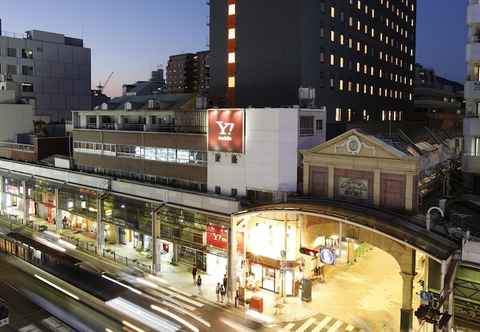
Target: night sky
[[132, 37]]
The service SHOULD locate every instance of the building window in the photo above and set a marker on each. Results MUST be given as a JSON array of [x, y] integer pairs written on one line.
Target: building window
[[306, 126], [332, 59], [338, 114], [231, 9], [332, 36], [231, 33], [332, 12], [349, 115], [27, 87], [476, 146], [319, 124], [231, 82], [27, 53], [340, 85], [234, 159], [218, 157], [231, 57], [234, 192], [218, 190], [27, 70], [11, 70], [12, 52]]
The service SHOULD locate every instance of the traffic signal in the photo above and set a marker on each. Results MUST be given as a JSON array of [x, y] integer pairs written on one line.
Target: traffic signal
[[308, 252]]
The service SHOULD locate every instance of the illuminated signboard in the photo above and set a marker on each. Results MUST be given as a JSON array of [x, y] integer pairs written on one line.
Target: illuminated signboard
[[225, 130], [217, 237], [327, 256]]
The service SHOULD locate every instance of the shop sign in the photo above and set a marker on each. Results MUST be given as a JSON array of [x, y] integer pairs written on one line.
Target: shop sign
[[225, 130], [327, 256], [217, 237]]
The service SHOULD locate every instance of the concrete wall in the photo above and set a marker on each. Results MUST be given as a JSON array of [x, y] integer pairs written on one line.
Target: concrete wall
[[270, 159], [15, 119], [61, 73]]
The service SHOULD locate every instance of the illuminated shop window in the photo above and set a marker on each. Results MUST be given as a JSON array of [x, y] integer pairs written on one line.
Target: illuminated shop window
[[231, 9]]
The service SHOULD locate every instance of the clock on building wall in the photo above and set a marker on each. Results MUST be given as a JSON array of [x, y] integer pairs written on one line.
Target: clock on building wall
[[354, 146]]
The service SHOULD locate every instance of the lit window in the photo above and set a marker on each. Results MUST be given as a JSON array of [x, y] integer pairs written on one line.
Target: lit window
[[342, 39], [340, 85], [349, 115], [231, 9], [231, 82], [341, 62], [332, 36], [338, 114], [231, 57], [231, 33], [332, 12], [332, 59]]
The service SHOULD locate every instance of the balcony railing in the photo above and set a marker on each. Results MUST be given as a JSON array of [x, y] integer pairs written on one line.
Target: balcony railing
[[17, 146]]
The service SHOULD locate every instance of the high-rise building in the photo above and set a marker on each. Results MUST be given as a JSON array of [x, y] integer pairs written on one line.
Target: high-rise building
[[188, 73], [357, 55], [471, 123], [53, 69]]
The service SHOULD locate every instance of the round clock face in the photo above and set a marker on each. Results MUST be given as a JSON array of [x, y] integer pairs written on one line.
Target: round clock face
[[327, 256], [354, 145]]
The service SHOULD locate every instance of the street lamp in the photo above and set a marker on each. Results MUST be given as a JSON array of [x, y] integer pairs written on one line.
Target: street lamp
[[429, 217]]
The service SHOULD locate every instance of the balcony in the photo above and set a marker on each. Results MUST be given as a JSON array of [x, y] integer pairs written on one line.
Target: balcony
[[472, 90], [473, 13], [473, 50]]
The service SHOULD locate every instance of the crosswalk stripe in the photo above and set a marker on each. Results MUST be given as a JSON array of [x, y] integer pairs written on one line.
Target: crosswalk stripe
[[335, 326], [288, 327], [322, 324], [350, 328], [306, 325]]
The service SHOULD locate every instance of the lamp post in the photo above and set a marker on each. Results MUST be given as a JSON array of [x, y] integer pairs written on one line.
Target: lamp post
[[429, 217]]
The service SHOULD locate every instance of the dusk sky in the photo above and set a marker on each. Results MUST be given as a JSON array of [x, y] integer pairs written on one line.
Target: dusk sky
[[131, 38]]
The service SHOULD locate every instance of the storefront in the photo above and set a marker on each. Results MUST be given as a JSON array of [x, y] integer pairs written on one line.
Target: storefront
[[200, 240], [271, 255], [43, 199], [217, 246], [14, 198]]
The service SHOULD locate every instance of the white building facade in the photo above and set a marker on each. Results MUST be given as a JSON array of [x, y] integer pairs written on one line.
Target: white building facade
[[268, 159]]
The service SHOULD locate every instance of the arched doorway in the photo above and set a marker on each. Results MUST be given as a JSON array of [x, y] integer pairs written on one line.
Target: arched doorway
[[368, 285]]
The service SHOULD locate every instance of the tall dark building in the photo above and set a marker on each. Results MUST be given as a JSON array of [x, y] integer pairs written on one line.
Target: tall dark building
[[358, 55], [188, 72]]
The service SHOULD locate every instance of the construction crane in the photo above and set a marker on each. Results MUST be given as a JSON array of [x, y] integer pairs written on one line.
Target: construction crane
[[101, 86]]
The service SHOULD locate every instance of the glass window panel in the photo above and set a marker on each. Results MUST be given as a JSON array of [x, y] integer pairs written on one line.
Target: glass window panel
[[150, 153], [162, 154], [172, 155], [183, 156]]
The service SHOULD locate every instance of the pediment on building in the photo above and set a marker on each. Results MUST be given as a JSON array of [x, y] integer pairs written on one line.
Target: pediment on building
[[357, 144]]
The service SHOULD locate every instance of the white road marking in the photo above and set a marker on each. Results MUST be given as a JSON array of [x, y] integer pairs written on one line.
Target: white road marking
[[288, 327], [306, 325], [322, 324], [335, 326]]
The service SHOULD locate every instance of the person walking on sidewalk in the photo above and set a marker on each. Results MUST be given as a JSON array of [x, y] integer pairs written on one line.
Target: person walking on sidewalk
[[199, 285], [218, 290], [223, 292], [194, 274], [225, 281]]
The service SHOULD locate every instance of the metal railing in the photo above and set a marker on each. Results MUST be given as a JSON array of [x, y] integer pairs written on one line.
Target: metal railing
[[17, 146], [92, 249]]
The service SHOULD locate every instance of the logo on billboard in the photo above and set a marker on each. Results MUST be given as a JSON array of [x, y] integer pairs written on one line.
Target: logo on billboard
[[217, 237], [225, 130]]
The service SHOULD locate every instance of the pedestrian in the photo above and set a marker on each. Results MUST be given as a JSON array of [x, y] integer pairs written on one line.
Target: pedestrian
[[199, 285], [237, 298], [223, 292], [225, 281], [217, 290], [194, 274]]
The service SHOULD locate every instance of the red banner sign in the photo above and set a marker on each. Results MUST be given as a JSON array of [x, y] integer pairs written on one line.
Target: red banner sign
[[225, 130], [217, 237]]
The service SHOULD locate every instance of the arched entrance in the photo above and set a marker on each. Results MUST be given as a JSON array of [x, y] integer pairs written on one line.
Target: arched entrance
[[276, 248]]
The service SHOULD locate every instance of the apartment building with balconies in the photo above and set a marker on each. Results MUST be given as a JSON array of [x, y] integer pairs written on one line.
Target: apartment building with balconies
[[471, 124]]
